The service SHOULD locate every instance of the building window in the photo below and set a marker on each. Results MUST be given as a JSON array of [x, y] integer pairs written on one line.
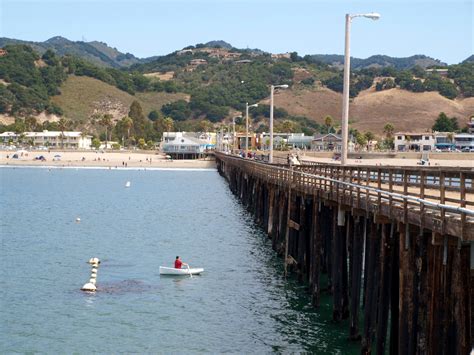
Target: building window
[[400, 138]]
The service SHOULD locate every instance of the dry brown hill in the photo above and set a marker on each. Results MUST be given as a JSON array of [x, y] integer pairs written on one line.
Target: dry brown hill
[[371, 110]]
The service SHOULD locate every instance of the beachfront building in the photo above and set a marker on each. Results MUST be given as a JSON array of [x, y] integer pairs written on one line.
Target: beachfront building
[[50, 139], [185, 146], [300, 141], [254, 141], [470, 126], [464, 141], [414, 141], [326, 142], [444, 141]]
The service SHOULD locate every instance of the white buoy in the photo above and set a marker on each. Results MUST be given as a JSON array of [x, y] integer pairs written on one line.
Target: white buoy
[[91, 285], [127, 184], [78, 220]]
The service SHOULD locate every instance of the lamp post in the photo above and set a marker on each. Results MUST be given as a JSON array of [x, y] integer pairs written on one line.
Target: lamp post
[[345, 94], [233, 135], [272, 89], [247, 106]]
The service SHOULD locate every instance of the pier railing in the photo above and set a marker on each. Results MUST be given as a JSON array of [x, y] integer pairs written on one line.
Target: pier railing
[[440, 199]]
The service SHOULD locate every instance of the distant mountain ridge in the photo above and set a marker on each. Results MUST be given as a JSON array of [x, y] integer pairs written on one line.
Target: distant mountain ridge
[[380, 61], [98, 53], [103, 55]]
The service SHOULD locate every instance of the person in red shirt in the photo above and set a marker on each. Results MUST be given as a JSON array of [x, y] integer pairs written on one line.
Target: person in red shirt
[[178, 263]]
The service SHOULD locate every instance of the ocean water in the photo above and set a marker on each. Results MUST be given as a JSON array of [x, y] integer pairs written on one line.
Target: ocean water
[[240, 304]]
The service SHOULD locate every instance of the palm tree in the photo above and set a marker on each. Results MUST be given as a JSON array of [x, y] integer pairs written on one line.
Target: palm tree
[[388, 130], [63, 125], [205, 126], [168, 122], [127, 124], [106, 121], [287, 126], [328, 122]]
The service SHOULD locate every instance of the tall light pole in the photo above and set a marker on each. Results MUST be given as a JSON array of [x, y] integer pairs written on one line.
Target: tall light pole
[[233, 135], [347, 70], [272, 89], [247, 127]]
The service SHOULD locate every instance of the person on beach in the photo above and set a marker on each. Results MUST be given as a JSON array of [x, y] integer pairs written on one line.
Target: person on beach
[[178, 263]]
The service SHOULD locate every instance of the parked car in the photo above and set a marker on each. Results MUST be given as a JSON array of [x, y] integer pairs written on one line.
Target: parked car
[[468, 149]]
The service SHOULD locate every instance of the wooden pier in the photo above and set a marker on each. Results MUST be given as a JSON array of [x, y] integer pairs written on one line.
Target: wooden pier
[[396, 243]]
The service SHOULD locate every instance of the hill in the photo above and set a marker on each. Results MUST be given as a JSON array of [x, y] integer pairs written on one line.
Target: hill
[[82, 96], [371, 110], [98, 53], [379, 61]]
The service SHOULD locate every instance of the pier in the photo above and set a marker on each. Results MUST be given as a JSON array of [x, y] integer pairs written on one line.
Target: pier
[[396, 244]]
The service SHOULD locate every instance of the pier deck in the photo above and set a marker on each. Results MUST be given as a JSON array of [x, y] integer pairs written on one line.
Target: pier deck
[[399, 240]]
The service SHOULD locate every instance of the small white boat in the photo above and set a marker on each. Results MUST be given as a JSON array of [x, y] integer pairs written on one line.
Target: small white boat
[[127, 184], [173, 271]]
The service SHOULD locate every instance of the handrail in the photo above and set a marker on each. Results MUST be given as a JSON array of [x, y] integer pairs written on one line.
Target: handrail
[[405, 176]]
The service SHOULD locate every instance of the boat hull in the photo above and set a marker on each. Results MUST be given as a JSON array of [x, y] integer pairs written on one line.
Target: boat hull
[[179, 272]]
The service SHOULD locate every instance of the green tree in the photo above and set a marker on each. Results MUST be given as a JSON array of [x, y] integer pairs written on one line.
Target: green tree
[[63, 125], [168, 123], [445, 124], [204, 126], [138, 118], [388, 129], [106, 122], [369, 136], [328, 122], [360, 139], [141, 143], [287, 126], [127, 124], [95, 143], [153, 115]]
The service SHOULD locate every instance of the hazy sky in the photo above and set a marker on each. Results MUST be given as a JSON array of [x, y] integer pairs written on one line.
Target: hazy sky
[[442, 29]]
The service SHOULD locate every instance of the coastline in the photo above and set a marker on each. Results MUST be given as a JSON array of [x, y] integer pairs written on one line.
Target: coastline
[[101, 160]]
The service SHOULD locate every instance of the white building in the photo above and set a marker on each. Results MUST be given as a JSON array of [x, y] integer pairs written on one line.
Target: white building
[[183, 146], [405, 141], [52, 139], [470, 126], [326, 142], [464, 141]]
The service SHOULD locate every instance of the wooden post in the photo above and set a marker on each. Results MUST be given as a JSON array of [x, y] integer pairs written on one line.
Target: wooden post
[[355, 277], [370, 309], [316, 254], [385, 285], [288, 215]]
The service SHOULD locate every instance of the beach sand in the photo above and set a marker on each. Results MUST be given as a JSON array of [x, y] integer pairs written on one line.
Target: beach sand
[[397, 162], [107, 159]]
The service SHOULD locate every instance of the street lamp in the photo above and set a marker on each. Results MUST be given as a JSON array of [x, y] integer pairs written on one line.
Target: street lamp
[[272, 89], [345, 94], [247, 127]]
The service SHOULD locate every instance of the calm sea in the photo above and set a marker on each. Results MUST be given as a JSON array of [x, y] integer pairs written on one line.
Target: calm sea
[[240, 304]]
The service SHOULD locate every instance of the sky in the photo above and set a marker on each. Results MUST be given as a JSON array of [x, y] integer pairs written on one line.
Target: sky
[[442, 29]]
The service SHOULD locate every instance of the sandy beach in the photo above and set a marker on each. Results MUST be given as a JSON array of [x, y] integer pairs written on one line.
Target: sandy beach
[[107, 159], [398, 162]]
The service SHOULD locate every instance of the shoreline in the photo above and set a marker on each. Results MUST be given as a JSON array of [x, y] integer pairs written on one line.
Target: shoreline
[[77, 167], [100, 160]]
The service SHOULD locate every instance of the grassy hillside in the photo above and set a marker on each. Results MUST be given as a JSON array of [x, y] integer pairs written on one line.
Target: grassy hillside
[[82, 96]]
